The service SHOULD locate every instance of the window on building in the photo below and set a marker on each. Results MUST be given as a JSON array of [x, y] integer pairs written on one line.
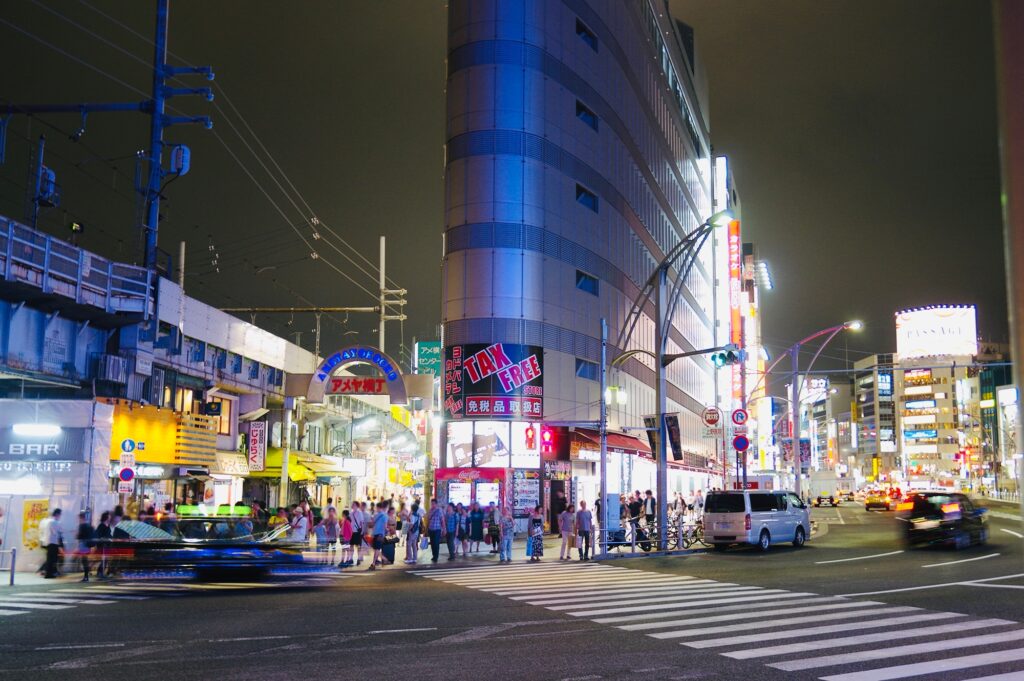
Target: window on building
[[586, 197], [585, 282], [586, 115], [224, 420], [587, 370], [586, 35]]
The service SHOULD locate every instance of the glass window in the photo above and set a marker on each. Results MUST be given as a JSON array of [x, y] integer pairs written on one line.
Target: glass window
[[586, 115], [588, 370], [586, 197], [586, 282], [718, 502], [224, 420], [586, 35], [525, 444], [794, 500], [760, 502]]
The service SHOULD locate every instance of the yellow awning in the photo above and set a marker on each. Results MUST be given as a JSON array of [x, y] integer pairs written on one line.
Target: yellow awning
[[297, 472], [321, 465]]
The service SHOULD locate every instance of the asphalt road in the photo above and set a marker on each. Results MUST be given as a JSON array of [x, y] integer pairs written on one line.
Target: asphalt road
[[704, 616]]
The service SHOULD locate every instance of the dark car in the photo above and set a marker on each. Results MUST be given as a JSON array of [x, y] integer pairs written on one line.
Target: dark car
[[827, 499], [943, 518], [203, 545]]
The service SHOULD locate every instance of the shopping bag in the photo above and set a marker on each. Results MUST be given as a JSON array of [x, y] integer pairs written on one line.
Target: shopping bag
[[529, 546], [579, 541], [487, 539], [424, 543]]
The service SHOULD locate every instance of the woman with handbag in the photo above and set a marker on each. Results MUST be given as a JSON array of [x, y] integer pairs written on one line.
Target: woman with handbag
[[536, 538], [412, 535], [493, 527], [463, 534]]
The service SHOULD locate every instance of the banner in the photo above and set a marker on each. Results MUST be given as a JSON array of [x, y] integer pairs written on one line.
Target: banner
[[257, 445], [501, 380], [34, 512], [66, 444]]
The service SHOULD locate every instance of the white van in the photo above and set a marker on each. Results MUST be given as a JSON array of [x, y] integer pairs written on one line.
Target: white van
[[752, 517]]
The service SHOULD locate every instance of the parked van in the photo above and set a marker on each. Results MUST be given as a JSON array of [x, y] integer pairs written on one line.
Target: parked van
[[752, 517]]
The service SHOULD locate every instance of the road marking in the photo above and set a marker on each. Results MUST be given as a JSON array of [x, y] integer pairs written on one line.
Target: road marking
[[683, 596], [1015, 534], [965, 560], [800, 633], [249, 638], [401, 631], [1009, 676], [841, 521], [994, 586], [934, 666], [773, 623], [914, 649], [591, 597], [842, 641], [678, 603], [773, 602], [596, 587], [749, 614], [5, 613], [931, 586], [846, 560], [598, 591], [34, 606], [46, 598], [82, 646]]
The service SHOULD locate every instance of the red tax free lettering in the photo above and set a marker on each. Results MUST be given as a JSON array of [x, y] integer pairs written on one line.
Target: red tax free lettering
[[518, 374], [482, 364]]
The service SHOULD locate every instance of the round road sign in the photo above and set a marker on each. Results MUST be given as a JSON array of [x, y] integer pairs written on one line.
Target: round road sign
[[711, 416], [740, 416], [126, 474], [740, 443]]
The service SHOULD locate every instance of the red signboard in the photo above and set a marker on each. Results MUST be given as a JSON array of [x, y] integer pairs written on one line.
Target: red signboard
[[356, 385], [500, 380], [735, 297], [751, 484]]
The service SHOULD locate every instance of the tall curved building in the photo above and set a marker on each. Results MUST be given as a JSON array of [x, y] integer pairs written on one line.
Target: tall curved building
[[578, 155]]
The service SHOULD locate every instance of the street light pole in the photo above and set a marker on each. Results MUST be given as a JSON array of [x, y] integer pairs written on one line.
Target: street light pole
[[661, 403], [603, 430], [794, 419]]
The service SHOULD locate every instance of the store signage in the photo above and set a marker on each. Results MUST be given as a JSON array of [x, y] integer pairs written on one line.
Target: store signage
[[428, 357], [735, 251], [711, 416], [67, 444], [125, 487], [257, 445], [35, 466], [937, 331], [884, 384], [557, 470], [356, 385], [358, 354], [500, 380], [923, 434], [674, 439]]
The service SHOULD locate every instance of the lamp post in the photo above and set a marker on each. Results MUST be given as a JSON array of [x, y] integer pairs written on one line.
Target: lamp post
[[664, 306], [794, 388]]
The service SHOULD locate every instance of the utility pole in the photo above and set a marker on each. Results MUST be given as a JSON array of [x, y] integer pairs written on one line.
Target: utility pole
[[603, 431], [385, 301]]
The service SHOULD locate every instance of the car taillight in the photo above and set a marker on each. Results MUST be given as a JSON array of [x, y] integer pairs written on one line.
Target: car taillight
[[951, 508], [746, 522], [905, 506]]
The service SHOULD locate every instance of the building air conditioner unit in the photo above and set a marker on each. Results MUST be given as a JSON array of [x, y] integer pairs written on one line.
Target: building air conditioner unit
[[113, 368]]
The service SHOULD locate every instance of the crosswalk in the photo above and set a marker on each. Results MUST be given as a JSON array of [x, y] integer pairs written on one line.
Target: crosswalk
[[106, 593], [832, 638]]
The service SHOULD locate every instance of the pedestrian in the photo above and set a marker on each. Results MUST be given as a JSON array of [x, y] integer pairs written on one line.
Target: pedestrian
[[412, 534], [346, 539], [280, 518], [380, 528], [404, 513], [435, 529], [332, 531], [464, 530], [567, 528], [584, 530], [392, 528], [53, 539], [101, 537], [84, 538], [494, 526], [358, 526], [299, 531], [536, 536], [451, 521], [476, 527], [650, 509], [507, 527], [308, 512]]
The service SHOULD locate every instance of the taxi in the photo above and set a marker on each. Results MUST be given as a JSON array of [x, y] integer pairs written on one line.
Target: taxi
[[877, 499]]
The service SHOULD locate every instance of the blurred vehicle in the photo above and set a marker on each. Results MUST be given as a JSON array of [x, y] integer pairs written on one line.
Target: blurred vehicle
[[943, 518], [827, 499], [895, 493], [877, 499], [848, 495], [204, 544], [758, 518]]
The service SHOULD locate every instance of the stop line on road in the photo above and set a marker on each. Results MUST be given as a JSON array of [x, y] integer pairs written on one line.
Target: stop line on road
[[775, 626]]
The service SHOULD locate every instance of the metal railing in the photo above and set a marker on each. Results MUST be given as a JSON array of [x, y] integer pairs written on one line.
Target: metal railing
[[36, 259], [13, 563]]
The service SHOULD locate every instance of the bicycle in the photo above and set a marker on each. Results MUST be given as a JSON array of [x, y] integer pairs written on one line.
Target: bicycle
[[694, 534]]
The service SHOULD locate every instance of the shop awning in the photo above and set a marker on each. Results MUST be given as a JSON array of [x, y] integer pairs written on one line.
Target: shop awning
[[253, 415], [321, 465], [297, 471], [617, 442]]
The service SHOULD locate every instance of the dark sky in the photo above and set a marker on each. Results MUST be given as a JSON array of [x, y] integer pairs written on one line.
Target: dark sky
[[862, 134]]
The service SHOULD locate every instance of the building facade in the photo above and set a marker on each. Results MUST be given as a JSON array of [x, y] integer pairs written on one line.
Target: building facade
[[875, 416], [578, 155]]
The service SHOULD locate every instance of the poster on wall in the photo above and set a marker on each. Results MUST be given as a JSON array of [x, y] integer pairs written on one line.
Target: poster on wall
[[525, 492], [501, 380], [35, 511], [460, 444], [490, 444], [525, 438], [257, 445]]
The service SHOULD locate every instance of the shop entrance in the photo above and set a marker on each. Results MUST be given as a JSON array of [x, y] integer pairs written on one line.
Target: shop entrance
[[557, 503]]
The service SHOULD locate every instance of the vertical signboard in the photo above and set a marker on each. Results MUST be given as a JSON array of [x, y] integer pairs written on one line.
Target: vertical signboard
[[257, 445], [735, 298], [428, 357]]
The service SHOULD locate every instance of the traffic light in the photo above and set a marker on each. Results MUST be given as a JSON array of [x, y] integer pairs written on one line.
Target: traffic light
[[728, 355], [531, 437], [546, 440]]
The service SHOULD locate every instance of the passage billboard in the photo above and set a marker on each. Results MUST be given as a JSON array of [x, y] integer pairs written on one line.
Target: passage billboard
[[937, 331], [501, 380]]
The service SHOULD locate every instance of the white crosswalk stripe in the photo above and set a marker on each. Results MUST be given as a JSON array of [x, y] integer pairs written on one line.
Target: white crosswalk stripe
[[108, 593], [862, 640]]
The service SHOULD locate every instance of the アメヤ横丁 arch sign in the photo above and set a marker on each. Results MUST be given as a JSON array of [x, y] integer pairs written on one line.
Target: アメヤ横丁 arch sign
[[324, 382]]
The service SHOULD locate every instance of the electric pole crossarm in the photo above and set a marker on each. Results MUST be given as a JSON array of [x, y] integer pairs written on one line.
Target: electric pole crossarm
[[205, 121], [74, 108], [179, 70], [201, 91], [289, 310]]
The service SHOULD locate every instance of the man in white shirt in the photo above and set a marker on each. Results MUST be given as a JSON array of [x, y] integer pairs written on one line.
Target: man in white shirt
[[51, 537], [300, 526]]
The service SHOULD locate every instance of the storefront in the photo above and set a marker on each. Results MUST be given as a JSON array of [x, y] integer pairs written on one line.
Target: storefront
[[301, 480], [227, 479], [465, 486], [53, 454]]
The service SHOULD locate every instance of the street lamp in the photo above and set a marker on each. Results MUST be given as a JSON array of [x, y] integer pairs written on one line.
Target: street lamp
[[685, 251]]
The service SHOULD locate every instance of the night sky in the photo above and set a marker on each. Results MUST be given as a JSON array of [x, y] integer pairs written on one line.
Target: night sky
[[862, 135]]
